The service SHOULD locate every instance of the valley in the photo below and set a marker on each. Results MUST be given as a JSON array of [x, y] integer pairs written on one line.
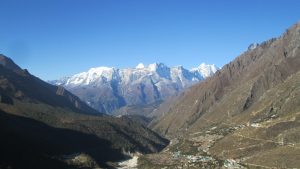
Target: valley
[[71, 96], [239, 117]]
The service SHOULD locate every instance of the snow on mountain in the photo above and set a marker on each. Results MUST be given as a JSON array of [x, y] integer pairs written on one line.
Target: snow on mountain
[[92, 75], [140, 66], [205, 70], [155, 71], [107, 89]]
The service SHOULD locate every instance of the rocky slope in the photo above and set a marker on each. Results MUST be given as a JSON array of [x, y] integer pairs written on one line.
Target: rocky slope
[[45, 123], [108, 89], [247, 114]]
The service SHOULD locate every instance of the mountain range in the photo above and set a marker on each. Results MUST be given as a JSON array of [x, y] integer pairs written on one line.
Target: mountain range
[[109, 89]]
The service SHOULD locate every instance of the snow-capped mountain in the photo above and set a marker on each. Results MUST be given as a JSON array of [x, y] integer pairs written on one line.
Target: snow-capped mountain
[[205, 70], [108, 89]]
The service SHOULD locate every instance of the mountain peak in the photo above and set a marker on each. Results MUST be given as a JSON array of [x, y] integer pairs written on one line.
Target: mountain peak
[[156, 65], [9, 64], [100, 69], [206, 70], [140, 66]]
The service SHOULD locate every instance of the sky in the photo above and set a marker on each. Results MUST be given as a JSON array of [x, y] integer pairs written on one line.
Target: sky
[[56, 38]]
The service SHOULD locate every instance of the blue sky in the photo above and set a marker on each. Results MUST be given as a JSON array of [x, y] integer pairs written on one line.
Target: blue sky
[[54, 38]]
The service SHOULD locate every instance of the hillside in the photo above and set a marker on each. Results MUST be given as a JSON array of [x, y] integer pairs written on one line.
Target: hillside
[[54, 125], [247, 114]]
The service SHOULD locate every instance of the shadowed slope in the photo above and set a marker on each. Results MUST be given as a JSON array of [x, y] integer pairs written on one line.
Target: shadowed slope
[[27, 143], [50, 116]]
